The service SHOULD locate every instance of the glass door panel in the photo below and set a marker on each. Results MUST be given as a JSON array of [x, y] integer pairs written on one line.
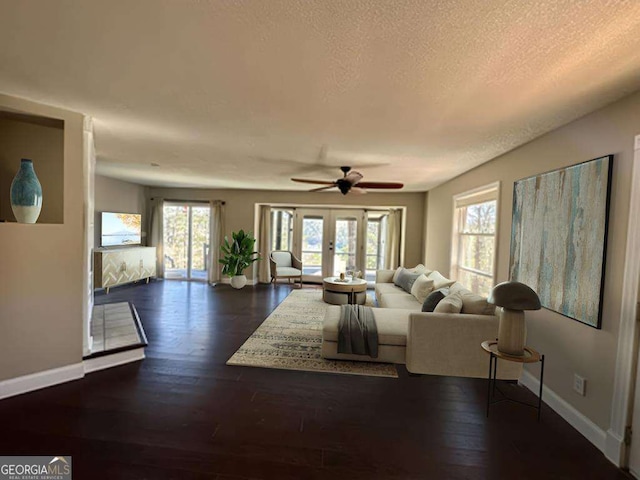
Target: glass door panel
[[375, 244], [346, 245], [373, 249], [199, 264], [186, 241], [312, 245], [329, 242], [176, 240]]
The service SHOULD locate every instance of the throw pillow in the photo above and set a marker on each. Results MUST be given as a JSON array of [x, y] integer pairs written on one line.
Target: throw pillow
[[395, 275], [422, 287], [476, 304], [450, 304], [440, 281], [459, 288], [420, 268], [406, 279], [433, 299], [417, 269]]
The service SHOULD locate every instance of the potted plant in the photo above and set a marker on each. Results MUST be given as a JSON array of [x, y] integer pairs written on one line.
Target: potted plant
[[237, 256]]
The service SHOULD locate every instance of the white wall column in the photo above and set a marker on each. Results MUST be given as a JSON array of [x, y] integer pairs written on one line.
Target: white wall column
[[626, 359]]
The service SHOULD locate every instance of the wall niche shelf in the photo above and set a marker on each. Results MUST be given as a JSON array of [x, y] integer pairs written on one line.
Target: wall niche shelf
[[40, 139]]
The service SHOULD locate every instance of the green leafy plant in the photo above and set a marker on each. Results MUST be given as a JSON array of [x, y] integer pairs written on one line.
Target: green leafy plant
[[238, 254]]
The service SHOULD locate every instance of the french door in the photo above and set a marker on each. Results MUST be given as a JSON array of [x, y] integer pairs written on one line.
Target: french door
[[186, 240], [329, 242]]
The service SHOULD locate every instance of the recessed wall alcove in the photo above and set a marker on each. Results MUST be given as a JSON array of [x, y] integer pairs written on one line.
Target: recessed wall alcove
[[40, 139]]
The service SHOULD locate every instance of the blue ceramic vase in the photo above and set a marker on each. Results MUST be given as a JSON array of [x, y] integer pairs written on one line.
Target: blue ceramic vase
[[26, 194]]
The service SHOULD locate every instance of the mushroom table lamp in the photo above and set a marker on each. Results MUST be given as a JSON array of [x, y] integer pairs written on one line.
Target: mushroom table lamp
[[514, 298]]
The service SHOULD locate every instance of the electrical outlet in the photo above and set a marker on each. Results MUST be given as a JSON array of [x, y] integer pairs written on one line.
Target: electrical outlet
[[579, 384]]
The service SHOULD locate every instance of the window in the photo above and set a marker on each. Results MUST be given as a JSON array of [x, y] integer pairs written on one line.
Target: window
[[474, 243], [281, 229]]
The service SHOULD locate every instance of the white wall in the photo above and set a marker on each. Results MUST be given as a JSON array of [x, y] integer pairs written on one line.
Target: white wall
[[570, 347], [42, 268]]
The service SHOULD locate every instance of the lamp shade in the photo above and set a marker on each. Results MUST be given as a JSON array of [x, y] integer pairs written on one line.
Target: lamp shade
[[514, 296]]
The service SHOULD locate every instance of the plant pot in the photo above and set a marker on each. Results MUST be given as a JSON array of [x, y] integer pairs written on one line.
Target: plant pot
[[26, 194], [238, 281]]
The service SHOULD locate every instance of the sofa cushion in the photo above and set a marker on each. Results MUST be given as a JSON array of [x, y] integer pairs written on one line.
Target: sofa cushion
[[476, 304], [421, 288], [384, 288], [452, 303], [439, 280], [406, 279], [433, 299], [392, 325], [402, 300]]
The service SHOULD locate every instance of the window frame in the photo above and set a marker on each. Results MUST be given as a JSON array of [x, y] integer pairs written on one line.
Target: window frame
[[476, 196]]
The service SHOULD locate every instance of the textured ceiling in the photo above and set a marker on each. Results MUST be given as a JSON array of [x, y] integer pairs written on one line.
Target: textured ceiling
[[245, 94]]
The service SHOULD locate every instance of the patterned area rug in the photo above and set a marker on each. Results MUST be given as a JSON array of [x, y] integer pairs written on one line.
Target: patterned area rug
[[291, 337]]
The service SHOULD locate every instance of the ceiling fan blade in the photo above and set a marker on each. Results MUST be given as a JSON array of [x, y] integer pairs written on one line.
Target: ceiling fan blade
[[353, 177], [392, 185], [357, 190], [319, 182], [319, 189]]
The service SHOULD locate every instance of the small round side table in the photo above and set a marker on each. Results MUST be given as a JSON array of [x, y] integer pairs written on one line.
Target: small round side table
[[339, 292], [530, 356]]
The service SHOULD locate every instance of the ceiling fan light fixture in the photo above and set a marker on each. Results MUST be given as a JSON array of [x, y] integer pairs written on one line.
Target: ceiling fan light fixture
[[344, 186]]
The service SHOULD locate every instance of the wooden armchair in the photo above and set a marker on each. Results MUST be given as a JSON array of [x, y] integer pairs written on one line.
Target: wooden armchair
[[285, 264]]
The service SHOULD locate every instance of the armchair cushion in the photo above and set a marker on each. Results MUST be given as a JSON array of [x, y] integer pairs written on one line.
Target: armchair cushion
[[284, 264], [282, 259], [288, 272]]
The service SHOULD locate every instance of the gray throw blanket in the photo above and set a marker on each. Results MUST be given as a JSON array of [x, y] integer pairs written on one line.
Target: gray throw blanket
[[357, 331]]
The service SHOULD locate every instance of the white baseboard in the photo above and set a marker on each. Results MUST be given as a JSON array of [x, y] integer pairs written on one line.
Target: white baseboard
[[615, 449], [113, 360], [577, 420], [36, 381]]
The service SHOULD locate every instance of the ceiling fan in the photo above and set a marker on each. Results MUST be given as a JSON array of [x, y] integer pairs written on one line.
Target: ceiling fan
[[348, 183]]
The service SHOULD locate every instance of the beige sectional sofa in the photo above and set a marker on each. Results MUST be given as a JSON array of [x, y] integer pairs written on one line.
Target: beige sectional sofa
[[427, 343]]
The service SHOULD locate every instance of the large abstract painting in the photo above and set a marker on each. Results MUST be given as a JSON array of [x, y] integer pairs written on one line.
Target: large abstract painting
[[559, 237]]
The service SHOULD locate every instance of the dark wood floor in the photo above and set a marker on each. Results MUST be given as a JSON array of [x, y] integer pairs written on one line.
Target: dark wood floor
[[183, 414]]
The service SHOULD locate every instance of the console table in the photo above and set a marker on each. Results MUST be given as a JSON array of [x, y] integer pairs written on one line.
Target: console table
[[530, 356], [117, 266]]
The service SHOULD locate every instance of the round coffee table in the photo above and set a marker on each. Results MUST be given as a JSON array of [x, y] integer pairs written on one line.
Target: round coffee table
[[338, 292]]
